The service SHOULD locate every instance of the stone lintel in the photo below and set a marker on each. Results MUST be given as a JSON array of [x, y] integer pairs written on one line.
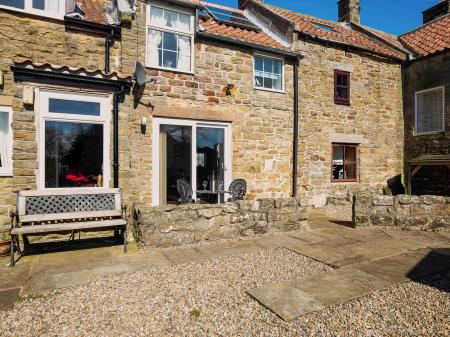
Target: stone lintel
[[346, 138], [6, 100], [194, 113]]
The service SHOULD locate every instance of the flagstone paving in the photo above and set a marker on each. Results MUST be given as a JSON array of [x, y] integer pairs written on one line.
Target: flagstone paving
[[365, 260]]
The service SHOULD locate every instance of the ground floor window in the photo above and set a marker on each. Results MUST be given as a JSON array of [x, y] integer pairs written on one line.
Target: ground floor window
[[74, 140], [197, 152], [344, 167], [5, 141]]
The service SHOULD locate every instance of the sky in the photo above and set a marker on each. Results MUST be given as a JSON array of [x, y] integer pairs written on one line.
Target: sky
[[392, 16]]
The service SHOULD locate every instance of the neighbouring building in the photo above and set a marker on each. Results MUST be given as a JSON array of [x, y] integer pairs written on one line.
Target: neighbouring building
[[427, 103]]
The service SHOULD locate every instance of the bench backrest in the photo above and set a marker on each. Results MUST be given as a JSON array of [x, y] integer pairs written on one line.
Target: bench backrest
[[68, 203]]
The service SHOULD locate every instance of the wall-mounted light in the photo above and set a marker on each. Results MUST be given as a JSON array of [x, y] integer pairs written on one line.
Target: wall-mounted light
[[144, 124], [28, 95]]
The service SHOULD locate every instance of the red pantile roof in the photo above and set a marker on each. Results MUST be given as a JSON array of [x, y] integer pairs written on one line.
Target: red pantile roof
[[94, 10], [431, 38], [27, 63], [352, 35]]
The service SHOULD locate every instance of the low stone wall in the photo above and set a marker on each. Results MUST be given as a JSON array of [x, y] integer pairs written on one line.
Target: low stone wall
[[404, 211], [182, 224]]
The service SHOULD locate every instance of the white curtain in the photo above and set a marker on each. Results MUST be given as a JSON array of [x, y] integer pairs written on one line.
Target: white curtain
[[154, 39], [52, 6], [4, 139], [184, 49], [157, 17]]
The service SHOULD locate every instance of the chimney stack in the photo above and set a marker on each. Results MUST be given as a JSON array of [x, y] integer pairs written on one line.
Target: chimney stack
[[349, 11], [441, 9]]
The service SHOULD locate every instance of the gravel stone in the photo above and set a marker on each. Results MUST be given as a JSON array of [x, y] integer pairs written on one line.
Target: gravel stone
[[160, 302]]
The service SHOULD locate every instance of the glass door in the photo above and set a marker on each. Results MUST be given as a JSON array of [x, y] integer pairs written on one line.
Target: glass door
[[198, 152], [210, 164]]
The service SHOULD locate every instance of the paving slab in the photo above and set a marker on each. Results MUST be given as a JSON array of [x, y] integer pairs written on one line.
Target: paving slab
[[285, 301], [421, 238], [407, 266], [363, 278], [356, 234], [184, 255], [310, 237], [8, 298], [375, 249], [14, 277], [330, 288], [114, 269], [276, 242], [322, 253], [226, 249]]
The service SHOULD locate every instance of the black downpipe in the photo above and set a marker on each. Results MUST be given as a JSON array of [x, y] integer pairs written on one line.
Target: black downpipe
[[117, 96], [295, 147], [108, 39]]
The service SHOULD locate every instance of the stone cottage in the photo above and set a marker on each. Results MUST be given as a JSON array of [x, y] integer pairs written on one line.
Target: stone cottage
[[427, 103], [293, 104]]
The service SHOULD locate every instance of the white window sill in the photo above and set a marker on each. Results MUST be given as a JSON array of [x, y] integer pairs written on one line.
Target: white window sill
[[173, 70], [6, 173], [428, 133], [35, 12], [270, 90]]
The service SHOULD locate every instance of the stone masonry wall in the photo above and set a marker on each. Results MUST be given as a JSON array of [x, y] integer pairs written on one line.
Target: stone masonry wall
[[261, 121], [176, 225], [375, 114], [420, 75], [40, 39], [404, 211]]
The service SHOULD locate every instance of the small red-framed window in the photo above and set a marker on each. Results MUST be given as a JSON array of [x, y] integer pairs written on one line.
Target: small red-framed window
[[341, 87], [344, 163]]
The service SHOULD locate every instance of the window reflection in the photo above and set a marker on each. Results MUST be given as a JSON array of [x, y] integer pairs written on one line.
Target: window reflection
[[73, 154]]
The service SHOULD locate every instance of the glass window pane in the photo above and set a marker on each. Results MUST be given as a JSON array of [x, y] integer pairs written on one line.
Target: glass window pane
[[342, 79], [338, 154], [342, 93], [171, 18], [157, 16], [277, 67], [259, 63], [170, 41], [268, 83], [268, 65], [350, 171], [175, 160], [73, 154], [4, 140], [277, 83], [66, 106], [39, 4], [350, 154], [13, 3], [184, 22], [169, 59], [259, 81], [430, 111]]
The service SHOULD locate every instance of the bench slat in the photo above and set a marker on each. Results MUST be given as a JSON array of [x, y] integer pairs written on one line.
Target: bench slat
[[65, 216], [68, 226]]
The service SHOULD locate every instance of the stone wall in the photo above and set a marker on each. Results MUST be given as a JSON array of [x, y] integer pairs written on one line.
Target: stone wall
[[404, 211], [375, 115], [176, 225], [261, 121]]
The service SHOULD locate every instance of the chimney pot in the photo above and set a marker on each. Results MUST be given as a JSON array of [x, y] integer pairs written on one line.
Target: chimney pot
[[348, 11]]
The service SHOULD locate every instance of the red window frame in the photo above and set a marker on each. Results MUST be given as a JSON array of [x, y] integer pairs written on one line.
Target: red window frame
[[337, 99], [345, 180]]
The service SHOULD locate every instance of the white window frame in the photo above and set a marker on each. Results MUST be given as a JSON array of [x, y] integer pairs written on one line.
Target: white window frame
[[417, 93], [283, 87], [8, 171], [44, 115], [28, 8], [158, 121], [166, 29]]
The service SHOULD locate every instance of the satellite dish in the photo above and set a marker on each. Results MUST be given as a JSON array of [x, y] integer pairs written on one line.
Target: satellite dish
[[139, 73]]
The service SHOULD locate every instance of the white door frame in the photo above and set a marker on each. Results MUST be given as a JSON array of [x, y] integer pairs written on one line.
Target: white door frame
[[158, 121], [41, 105]]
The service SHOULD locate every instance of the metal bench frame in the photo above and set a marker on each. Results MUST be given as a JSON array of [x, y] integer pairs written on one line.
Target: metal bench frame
[[67, 209]]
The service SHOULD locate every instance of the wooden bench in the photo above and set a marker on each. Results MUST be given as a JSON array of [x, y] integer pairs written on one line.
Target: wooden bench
[[67, 209]]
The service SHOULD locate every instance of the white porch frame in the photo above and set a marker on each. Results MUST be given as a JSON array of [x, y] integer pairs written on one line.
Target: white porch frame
[[158, 121], [41, 107]]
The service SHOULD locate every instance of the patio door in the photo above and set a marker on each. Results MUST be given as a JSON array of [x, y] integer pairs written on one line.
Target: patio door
[[196, 151]]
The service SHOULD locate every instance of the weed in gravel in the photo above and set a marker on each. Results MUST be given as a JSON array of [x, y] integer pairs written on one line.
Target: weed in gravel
[[20, 299], [195, 312]]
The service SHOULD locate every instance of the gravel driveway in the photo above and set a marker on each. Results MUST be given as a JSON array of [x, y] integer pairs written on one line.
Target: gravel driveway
[[209, 299]]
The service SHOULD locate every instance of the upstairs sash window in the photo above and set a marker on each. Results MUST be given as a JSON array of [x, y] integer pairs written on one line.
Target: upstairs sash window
[[268, 73], [49, 8], [341, 87], [430, 110], [170, 39]]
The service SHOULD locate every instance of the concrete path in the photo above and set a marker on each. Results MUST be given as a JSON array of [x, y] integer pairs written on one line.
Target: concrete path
[[366, 260]]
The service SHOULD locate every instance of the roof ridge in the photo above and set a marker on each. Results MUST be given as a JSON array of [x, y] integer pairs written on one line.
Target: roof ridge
[[426, 24]]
